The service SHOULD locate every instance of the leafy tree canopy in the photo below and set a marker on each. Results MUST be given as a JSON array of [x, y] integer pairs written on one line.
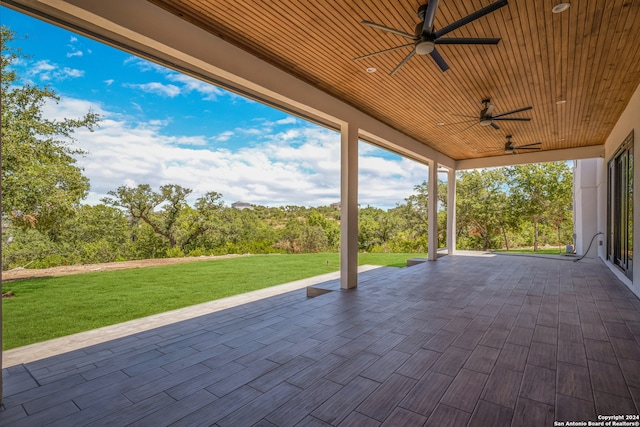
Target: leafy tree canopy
[[167, 211], [41, 181], [542, 192]]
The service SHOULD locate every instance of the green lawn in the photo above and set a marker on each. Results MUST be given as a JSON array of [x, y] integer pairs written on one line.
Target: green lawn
[[53, 307]]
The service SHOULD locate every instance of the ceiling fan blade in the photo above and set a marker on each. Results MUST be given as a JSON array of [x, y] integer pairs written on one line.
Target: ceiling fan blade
[[470, 18], [514, 119], [369, 55], [514, 111], [404, 61], [389, 30], [467, 40], [495, 126], [439, 60], [429, 17], [529, 145], [469, 127], [527, 148]]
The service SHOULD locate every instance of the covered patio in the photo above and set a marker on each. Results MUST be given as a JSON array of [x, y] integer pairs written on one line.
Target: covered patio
[[472, 339], [466, 339]]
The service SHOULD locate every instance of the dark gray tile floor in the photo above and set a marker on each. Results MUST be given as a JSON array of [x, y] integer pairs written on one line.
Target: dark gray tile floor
[[464, 341]]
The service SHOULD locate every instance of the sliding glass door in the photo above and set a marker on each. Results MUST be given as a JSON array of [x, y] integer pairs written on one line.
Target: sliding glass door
[[620, 207]]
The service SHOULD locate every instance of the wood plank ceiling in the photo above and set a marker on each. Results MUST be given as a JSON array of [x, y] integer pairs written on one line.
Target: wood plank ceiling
[[588, 56]]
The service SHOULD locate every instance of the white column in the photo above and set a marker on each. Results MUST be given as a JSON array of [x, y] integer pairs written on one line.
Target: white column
[[585, 206], [349, 206], [432, 211], [451, 211]]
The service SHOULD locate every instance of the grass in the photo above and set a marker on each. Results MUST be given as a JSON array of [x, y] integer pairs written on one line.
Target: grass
[[53, 307]]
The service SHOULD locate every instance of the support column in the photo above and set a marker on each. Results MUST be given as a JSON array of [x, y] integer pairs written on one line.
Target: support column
[[451, 211], [585, 206], [432, 211], [349, 206]]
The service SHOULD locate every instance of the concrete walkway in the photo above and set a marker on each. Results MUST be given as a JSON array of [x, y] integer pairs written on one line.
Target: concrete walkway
[[41, 350]]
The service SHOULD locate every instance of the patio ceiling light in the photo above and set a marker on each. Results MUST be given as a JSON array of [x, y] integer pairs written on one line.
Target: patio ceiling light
[[561, 7]]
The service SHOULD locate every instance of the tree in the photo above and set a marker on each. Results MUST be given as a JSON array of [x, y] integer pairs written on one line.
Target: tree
[[41, 182], [174, 220], [324, 219], [97, 234], [483, 207], [414, 215], [542, 192], [376, 228]]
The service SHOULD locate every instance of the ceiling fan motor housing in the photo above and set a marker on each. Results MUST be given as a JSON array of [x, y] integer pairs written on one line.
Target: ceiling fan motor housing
[[425, 47]]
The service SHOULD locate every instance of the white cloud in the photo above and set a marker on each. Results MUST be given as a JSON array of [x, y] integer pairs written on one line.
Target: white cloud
[[224, 136], [210, 92], [73, 39], [298, 167], [74, 53], [73, 109], [71, 72], [185, 83], [46, 71], [157, 88], [287, 121], [143, 65], [43, 66], [198, 140], [158, 123], [109, 82], [253, 131]]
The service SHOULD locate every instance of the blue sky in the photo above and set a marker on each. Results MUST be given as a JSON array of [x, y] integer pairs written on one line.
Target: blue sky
[[161, 127]]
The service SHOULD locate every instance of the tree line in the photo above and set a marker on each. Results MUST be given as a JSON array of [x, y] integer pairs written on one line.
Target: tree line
[[496, 208], [45, 222]]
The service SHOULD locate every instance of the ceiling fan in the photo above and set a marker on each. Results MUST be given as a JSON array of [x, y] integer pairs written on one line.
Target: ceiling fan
[[425, 37], [511, 148], [487, 118]]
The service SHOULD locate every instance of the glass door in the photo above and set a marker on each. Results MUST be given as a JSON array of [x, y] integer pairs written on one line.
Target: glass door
[[620, 207]]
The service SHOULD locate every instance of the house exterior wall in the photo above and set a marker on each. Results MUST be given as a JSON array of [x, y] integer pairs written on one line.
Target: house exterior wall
[[585, 184], [586, 197]]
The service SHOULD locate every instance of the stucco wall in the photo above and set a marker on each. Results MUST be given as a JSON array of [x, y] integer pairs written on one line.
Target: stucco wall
[[585, 184]]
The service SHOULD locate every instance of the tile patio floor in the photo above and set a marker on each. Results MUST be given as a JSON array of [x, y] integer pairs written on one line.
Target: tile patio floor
[[467, 340]]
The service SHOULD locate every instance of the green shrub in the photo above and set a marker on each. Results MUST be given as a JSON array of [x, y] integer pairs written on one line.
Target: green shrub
[[174, 253], [54, 260], [25, 248], [197, 252], [97, 252]]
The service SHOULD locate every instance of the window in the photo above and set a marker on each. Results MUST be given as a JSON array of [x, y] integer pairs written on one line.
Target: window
[[620, 208]]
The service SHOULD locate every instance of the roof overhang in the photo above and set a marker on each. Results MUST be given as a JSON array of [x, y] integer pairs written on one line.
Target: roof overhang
[[149, 31]]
